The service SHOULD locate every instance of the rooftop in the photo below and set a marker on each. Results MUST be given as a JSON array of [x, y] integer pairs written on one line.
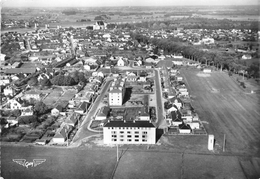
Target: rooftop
[[129, 124]]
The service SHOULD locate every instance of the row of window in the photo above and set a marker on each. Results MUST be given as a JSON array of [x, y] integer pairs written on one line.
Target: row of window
[[129, 140], [129, 132], [128, 136], [145, 128]]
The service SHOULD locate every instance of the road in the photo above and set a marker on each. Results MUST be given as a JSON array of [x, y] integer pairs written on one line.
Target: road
[[160, 122], [83, 130]]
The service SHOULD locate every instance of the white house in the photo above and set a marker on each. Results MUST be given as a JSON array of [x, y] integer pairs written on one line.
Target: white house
[[14, 104], [8, 91], [194, 125], [207, 70], [184, 129], [120, 62], [27, 112], [2, 57], [103, 113], [60, 136], [129, 132], [246, 57]]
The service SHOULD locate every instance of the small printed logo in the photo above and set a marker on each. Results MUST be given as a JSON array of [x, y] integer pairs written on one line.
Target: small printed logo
[[26, 164]]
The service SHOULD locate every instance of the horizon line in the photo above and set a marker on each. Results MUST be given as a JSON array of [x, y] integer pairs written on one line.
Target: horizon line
[[125, 6]]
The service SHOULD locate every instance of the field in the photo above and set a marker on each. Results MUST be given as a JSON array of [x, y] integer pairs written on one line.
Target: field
[[226, 109], [169, 165]]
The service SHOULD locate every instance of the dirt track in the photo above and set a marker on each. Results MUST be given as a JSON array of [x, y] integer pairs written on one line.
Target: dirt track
[[220, 101]]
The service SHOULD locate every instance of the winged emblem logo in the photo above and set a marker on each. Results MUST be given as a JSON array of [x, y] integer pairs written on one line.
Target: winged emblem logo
[[27, 164]]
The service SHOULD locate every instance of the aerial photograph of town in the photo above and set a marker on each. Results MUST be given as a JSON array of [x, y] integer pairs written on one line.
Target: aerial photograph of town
[[117, 89]]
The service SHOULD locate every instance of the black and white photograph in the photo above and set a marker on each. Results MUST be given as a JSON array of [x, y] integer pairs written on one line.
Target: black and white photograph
[[130, 89]]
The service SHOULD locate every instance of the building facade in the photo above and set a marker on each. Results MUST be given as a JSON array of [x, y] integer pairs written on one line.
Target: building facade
[[117, 92], [129, 132]]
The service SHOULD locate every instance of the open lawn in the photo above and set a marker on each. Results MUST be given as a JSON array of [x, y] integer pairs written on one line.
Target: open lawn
[[226, 109]]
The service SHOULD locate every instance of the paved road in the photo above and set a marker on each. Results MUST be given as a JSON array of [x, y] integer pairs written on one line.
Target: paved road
[[160, 122], [83, 130]]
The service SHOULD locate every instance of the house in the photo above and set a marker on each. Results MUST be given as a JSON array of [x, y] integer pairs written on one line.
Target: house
[[82, 108], [99, 25], [27, 112], [194, 124], [60, 136], [2, 57], [175, 118], [121, 62], [14, 104], [57, 110], [184, 129], [129, 132], [131, 76], [246, 57], [12, 121], [72, 119], [12, 71], [103, 113], [207, 70], [32, 95], [177, 102], [9, 91]]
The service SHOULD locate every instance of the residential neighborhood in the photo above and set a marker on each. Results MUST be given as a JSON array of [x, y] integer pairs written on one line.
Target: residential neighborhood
[[117, 92]]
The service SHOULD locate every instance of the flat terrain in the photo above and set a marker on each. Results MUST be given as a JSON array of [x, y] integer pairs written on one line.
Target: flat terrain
[[95, 163], [225, 109]]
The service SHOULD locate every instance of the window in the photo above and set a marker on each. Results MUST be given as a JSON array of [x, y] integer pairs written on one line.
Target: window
[[136, 136], [128, 132], [144, 136], [136, 132], [114, 140], [145, 132], [136, 140], [121, 136], [113, 132], [129, 140], [144, 140], [129, 136], [121, 140], [113, 135], [121, 132]]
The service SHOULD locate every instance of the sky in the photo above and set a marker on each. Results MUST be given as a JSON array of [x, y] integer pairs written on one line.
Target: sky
[[90, 3]]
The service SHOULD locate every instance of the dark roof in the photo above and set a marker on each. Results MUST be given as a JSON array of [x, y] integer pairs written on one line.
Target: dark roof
[[20, 70], [184, 126], [83, 106], [100, 23], [129, 124]]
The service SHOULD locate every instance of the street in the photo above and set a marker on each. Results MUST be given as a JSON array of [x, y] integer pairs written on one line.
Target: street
[[160, 122], [83, 130]]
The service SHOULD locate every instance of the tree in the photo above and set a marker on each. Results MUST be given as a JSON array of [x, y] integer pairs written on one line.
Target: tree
[[40, 108], [45, 82], [33, 81], [16, 113], [3, 121], [27, 119]]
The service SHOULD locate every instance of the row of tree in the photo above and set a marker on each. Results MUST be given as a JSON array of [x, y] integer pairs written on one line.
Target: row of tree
[[220, 60]]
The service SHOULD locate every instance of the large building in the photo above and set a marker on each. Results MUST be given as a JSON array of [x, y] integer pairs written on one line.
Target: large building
[[129, 132], [117, 92]]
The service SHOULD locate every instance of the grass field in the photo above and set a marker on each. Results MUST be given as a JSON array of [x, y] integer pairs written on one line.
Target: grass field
[[221, 103]]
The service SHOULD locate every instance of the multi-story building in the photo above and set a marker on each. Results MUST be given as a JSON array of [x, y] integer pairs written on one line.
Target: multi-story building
[[129, 132], [117, 92]]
